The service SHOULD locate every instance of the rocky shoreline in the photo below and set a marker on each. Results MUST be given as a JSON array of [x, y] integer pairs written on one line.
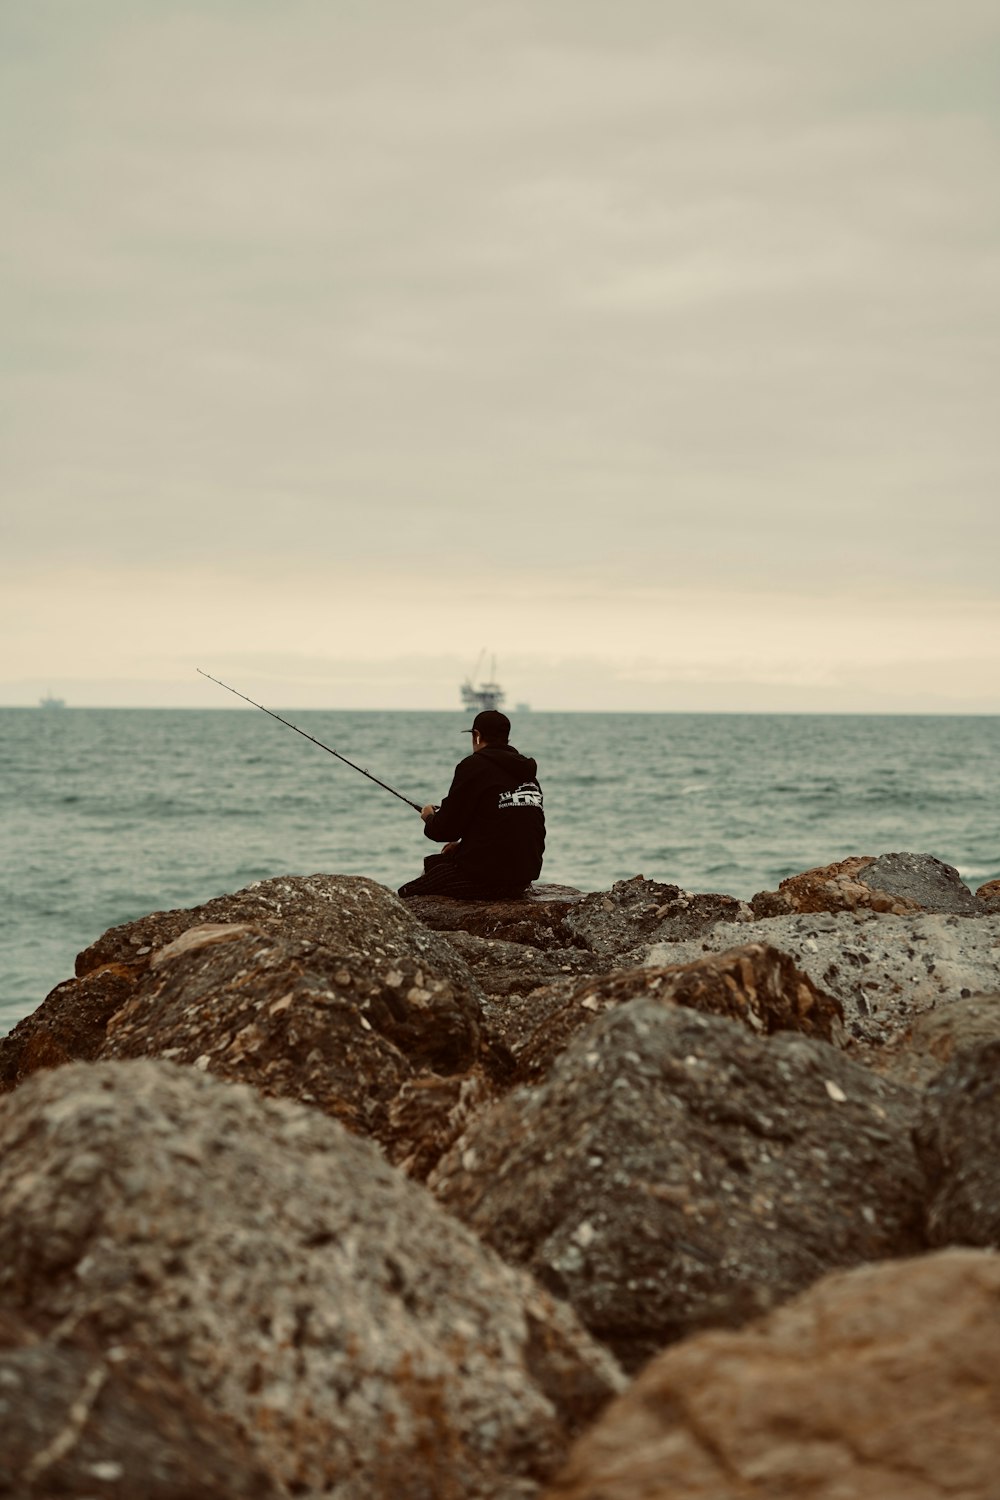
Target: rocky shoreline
[[308, 1191]]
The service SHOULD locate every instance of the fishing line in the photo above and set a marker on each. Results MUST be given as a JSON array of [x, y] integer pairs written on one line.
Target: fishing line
[[289, 725]]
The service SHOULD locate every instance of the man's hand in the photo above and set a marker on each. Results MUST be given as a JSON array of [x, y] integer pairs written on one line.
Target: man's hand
[[428, 811]]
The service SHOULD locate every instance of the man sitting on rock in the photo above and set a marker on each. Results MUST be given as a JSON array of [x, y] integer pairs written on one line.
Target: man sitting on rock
[[491, 822]]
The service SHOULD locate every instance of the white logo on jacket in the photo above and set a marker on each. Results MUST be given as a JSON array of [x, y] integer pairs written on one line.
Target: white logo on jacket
[[528, 794]]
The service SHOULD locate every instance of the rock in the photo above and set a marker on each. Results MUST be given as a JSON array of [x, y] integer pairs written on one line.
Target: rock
[[79, 1421], [894, 883], [360, 1341], [880, 1383], [536, 919], [988, 897], [503, 969], [919, 1053], [958, 1139], [674, 1172], [297, 1022], [638, 911], [69, 1023], [885, 970], [347, 914], [756, 985]]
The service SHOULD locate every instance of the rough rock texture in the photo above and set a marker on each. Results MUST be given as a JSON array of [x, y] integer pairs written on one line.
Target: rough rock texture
[[298, 1022], [347, 914], [674, 1171], [79, 1421], [69, 1024], [363, 1343], [638, 911], [537, 918], [895, 883], [918, 1054], [988, 897], [503, 969], [880, 1383], [756, 985], [883, 969], [958, 1139]]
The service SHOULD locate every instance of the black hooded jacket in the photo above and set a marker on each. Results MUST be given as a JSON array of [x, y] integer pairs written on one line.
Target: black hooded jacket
[[494, 807]]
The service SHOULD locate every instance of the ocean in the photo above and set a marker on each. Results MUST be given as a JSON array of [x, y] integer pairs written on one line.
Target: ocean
[[106, 814]]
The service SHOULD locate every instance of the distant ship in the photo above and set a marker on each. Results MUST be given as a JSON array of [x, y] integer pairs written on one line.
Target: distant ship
[[50, 702], [483, 694]]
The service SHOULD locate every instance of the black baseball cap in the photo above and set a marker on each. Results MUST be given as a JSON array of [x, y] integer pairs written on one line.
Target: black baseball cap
[[492, 725]]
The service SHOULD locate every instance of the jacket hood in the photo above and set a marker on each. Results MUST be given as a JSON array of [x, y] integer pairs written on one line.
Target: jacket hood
[[509, 764]]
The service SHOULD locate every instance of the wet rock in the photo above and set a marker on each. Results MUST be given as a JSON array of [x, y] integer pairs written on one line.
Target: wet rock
[[638, 911], [360, 1341], [958, 1139], [674, 1172], [880, 1383], [756, 985], [81, 1421], [885, 970], [536, 919], [919, 1053], [894, 883]]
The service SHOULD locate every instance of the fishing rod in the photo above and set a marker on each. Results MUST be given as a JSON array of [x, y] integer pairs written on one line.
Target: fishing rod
[[289, 725]]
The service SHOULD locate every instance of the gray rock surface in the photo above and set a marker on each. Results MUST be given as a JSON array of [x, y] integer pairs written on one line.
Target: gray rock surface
[[880, 1383], [918, 1054], [636, 911], [673, 1171], [883, 969], [362, 1343], [926, 881], [79, 1421], [958, 1139]]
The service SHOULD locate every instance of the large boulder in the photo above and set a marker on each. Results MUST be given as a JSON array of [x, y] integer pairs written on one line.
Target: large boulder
[[919, 1053], [341, 1034], [880, 1383], [674, 1171], [79, 1421], [756, 985], [360, 1341], [638, 911], [958, 1139], [894, 883], [884, 969], [323, 989]]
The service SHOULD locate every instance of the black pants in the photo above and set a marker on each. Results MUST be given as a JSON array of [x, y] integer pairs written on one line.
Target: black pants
[[443, 876]]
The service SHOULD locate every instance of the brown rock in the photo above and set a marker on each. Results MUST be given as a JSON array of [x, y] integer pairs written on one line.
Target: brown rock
[[958, 1139], [359, 1340], [880, 1383], [81, 1421], [673, 1171], [899, 884], [757, 985], [347, 914], [295, 1021], [69, 1023], [988, 897]]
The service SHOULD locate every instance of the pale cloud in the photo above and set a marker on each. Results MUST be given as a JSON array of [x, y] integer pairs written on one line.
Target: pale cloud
[[569, 328]]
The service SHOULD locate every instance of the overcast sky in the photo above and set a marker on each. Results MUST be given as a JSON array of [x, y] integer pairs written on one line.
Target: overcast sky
[[652, 347]]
